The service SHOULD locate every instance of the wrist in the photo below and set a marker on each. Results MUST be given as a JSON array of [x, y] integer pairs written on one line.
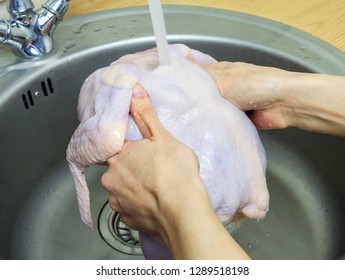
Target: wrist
[[289, 99], [193, 231], [178, 208], [314, 102]]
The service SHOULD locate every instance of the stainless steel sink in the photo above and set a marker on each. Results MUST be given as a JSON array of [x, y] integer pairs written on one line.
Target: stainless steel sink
[[38, 98]]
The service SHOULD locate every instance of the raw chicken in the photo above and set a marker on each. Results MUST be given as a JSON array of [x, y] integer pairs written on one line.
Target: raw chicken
[[188, 103]]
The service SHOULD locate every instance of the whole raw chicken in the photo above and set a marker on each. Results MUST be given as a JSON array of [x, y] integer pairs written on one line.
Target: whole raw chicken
[[188, 103]]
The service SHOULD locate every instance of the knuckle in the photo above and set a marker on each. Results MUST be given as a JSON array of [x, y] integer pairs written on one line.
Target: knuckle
[[112, 160], [190, 154], [144, 111], [129, 221], [106, 181], [113, 203]]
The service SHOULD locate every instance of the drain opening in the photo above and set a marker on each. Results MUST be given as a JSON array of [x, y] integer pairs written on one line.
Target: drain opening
[[46, 90], [25, 101], [31, 100], [50, 85], [28, 98], [116, 233]]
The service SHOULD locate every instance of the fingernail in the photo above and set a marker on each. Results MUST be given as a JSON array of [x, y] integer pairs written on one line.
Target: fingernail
[[138, 91]]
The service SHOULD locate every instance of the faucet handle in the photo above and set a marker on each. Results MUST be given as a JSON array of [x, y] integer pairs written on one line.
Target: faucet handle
[[57, 7], [17, 8], [29, 33]]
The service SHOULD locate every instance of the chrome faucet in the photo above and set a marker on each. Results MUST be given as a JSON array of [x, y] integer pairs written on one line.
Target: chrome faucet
[[29, 33]]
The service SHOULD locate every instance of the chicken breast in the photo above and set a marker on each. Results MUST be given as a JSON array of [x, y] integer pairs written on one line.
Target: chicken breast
[[188, 103]]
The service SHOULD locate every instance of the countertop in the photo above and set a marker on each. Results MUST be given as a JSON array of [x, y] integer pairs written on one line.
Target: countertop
[[324, 19]]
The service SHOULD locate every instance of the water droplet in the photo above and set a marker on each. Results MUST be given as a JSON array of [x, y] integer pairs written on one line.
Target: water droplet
[[97, 29], [78, 28], [267, 234], [134, 20], [111, 25], [131, 35], [249, 245], [69, 45], [256, 241], [303, 48], [131, 156]]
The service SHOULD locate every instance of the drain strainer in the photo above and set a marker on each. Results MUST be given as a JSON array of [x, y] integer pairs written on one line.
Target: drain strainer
[[116, 233]]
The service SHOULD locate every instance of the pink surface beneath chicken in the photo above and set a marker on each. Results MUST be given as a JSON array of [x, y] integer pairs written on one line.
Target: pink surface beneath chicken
[[189, 105]]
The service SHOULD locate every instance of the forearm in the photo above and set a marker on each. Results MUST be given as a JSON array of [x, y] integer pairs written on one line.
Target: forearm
[[277, 98], [315, 102], [193, 231], [204, 237]]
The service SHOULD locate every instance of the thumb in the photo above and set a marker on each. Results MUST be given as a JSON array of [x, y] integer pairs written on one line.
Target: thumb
[[143, 113]]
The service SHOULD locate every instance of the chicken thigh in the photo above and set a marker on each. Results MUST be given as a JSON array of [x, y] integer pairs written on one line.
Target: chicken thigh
[[189, 105]]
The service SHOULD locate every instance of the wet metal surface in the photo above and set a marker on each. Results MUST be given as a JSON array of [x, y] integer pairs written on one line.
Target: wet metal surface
[[38, 99]]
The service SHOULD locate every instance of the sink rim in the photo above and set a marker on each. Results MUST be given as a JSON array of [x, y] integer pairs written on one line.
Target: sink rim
[[59, 56], [295, 44], [281, 39], [287, 33]]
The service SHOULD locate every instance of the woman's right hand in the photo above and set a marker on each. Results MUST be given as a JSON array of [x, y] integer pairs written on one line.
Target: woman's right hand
[[156, 186]]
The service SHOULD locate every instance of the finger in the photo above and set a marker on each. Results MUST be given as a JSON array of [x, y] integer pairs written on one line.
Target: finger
[[114, 205], [143, 113], [129, 222], [112, 161]]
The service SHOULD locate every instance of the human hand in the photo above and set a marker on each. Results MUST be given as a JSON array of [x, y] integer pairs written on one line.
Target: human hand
[[254, 89], [155, 184], [275, 98], [152, 178]]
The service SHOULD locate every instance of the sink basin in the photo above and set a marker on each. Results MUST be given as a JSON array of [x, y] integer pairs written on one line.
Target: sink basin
[[38, 99]]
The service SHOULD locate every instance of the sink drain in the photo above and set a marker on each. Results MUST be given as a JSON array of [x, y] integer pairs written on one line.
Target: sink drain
[[116, 233]]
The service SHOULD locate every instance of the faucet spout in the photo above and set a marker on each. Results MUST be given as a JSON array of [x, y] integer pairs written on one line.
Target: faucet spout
[[30, 33]]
